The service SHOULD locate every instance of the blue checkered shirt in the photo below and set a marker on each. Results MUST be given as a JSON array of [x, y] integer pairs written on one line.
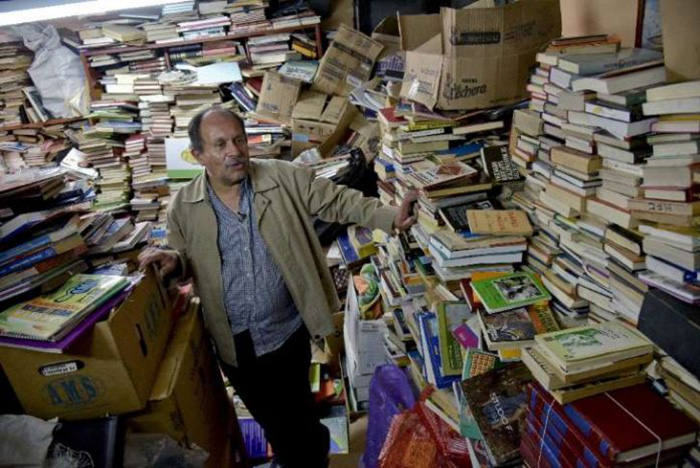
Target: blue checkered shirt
[[255, 294]]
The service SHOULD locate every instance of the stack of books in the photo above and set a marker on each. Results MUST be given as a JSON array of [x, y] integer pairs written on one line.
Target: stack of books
[[581, 362], [591, 429], [15, 59], [214, 26], [51, 322], [270, 51], [247, 16], [39, 237], [585, 140], [669, 207]]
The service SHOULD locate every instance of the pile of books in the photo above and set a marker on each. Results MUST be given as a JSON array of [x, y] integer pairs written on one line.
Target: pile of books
[[270, 51], [39, 234], [77, 305], [15, 59], [581, 362], [213, 26], [247, 16], [585, 142], [670, 191], [633, 425]]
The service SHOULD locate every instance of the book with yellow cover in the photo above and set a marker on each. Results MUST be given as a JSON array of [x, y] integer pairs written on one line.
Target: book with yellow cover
[[499, 222], [52, 316]]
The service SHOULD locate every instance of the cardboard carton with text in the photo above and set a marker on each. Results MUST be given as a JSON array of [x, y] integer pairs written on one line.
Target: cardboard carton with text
[[109, 370]]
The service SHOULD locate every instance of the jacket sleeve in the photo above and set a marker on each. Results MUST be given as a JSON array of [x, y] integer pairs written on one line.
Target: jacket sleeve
[[176, 240], [341, 204]]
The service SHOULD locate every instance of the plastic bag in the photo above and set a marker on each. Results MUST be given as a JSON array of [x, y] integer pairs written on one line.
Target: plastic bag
[[420, 439], [57, 72], [390, 393], [160, 451]]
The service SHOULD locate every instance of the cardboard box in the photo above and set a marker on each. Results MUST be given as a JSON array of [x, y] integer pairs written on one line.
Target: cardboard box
[[189, 401], [347, 63], [680, 21], [364, 339], [109, 370], [320, 122], [278, 96], [619, 17], [476, 57]]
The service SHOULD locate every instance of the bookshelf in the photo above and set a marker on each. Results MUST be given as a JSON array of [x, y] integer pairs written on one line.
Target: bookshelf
[[48, 123], [90, 72]]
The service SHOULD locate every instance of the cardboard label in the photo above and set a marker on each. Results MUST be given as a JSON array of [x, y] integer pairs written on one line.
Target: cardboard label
[[278, 96], [348, 60], [61, 368]]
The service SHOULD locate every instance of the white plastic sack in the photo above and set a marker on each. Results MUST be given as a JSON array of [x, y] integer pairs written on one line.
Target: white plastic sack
[[56, 72], [24, 441]]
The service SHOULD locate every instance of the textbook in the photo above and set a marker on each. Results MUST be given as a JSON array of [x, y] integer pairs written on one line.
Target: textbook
[[592, 345], [510, 292], [50, 317]]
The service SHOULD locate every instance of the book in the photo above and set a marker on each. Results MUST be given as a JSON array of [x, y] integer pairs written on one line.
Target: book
[[509, 329], [589, 64], [577, 348], [510, 291], [497, 400], [451, 315], [499, 222], [613, 83], [645, 416], [499, 166], [441, 175], [49, 318], [455, 217], [684, 90]]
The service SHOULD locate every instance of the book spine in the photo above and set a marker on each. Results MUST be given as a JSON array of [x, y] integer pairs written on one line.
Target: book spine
[[28, 261], [24, 248]]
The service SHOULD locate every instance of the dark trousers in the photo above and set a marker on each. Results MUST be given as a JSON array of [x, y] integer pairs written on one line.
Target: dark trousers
[[275, 388]]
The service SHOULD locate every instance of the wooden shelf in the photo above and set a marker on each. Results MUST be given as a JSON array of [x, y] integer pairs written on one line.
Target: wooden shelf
[[92, 74], [48, 123], [122, 50]]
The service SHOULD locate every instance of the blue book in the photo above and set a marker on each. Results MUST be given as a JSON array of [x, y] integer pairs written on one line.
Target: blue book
[[62, 232], [428, 324], [347, 251]]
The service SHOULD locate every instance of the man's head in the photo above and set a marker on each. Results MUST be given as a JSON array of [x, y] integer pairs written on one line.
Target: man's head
[[219, 143]]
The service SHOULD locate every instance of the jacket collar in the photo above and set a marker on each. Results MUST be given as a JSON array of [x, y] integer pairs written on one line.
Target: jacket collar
[[259, 174]]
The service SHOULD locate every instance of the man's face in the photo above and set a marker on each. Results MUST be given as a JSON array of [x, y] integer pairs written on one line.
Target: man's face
[[225, 150]]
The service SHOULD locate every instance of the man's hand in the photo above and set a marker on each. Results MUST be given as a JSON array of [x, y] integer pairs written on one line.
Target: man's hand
[[405, 217], [166, 261]]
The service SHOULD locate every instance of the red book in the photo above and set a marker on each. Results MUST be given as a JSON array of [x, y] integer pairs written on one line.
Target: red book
[[624, 424]]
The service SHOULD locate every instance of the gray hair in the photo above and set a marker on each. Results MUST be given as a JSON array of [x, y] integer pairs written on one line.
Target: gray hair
[[194, 129]]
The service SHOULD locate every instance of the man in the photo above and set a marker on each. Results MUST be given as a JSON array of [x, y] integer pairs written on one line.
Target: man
[[244, 232]]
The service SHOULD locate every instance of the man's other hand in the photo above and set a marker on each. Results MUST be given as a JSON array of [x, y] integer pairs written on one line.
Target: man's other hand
[[166, 261], [405, 217]]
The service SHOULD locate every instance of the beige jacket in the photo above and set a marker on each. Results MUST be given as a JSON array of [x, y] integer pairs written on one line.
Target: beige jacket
[[285, 199]]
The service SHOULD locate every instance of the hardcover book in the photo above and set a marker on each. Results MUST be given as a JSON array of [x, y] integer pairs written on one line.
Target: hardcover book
[[577, 346], [497, 401], [510, 292]]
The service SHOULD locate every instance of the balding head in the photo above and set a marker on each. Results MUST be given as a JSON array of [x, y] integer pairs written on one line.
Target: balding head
[[194, 129]]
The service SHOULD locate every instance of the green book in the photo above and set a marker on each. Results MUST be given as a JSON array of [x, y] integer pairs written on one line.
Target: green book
[[50, 317], [510, 291], [450, 315]]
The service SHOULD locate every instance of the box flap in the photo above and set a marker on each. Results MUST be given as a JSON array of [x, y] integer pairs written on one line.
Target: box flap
[[619, 17], [415, 30], [278, 96], [680, 19], [335, 110], [504, 30], [421, 82], [310, 105]]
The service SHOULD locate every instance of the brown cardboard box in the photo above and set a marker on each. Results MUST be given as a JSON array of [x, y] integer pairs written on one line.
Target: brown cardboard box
[[619, 17], [319, 122], [347, 63], [278, 96], [475, 57], [109, 370], [680, 22], [189, 400]]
